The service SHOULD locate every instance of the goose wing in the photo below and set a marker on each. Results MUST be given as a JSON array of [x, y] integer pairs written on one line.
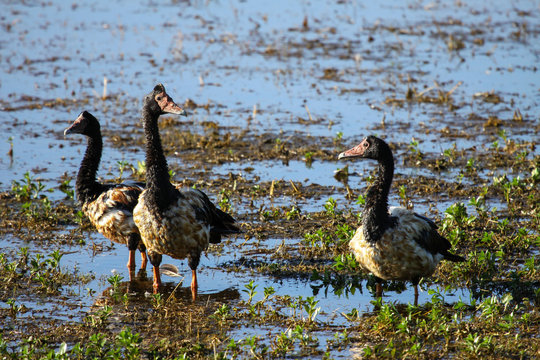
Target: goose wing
[[219, 221], [122, 196], [430, 239]]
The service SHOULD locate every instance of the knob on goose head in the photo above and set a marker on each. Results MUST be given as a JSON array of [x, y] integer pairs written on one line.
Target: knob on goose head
[[159, 102], [85, 124], [370, 147]]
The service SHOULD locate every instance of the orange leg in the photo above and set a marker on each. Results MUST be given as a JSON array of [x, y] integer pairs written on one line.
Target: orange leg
[[194, 285], [131, 264], [144, 260], [157, 279], [131, 260]]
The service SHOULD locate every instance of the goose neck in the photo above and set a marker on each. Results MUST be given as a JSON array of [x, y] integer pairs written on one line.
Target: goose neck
[[157, 171], [86, 184], [375, 216]]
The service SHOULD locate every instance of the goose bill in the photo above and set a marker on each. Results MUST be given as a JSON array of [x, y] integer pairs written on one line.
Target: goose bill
[[356, 151]]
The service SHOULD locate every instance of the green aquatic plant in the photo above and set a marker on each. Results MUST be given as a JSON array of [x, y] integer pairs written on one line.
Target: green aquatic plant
[[294, 213], [479, 203], [310, 306], [157, 301], [41, 273], [115, 281], [252, 343], [405, 199], [330, 206], [344, 233], [338, 137], [35, 204], [456, 215], [282, 344], [28, 188], [470, 166], [320, 239], [122, 166], [308, 156], [413, 148], [450, 154], [15, 309], [272, 214], [140, 171], [67, 188], [345, 262], [129, 344], [250, 290], [476, 343], [98, 319], [535, 175], [223, 313], [268, 292], [38, 209], [225, 200]]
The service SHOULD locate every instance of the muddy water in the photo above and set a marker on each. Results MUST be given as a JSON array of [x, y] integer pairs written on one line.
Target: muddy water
[[315, 70]]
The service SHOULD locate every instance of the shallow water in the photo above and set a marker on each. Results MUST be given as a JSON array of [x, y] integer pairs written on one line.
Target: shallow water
[[238, 56]]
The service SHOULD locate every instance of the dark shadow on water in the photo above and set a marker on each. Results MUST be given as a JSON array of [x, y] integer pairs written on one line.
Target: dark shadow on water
[[517, 288], [346, 284], [139, 291]]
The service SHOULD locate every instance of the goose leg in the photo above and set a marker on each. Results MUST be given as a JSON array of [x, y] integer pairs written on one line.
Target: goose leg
[[155, 260], [193, 262], [378, 289], [144, 258], [415, 282], [133, 242], [157, 279], [131, 261], [194, 285]]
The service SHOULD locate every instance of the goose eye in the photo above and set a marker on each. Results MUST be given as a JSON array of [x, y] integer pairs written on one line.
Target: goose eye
[[366, 145], [158, 98]]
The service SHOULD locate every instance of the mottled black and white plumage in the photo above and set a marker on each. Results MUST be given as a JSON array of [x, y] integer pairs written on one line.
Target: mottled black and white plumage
[[395, 243], [178, 223], [109, 207]]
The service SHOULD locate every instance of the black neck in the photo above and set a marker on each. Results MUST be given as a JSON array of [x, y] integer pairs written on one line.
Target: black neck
[[157, 172], [375, 217], [87, 187]]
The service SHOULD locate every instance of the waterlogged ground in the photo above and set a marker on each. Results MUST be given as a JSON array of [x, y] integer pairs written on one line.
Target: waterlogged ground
[[274, 94]]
